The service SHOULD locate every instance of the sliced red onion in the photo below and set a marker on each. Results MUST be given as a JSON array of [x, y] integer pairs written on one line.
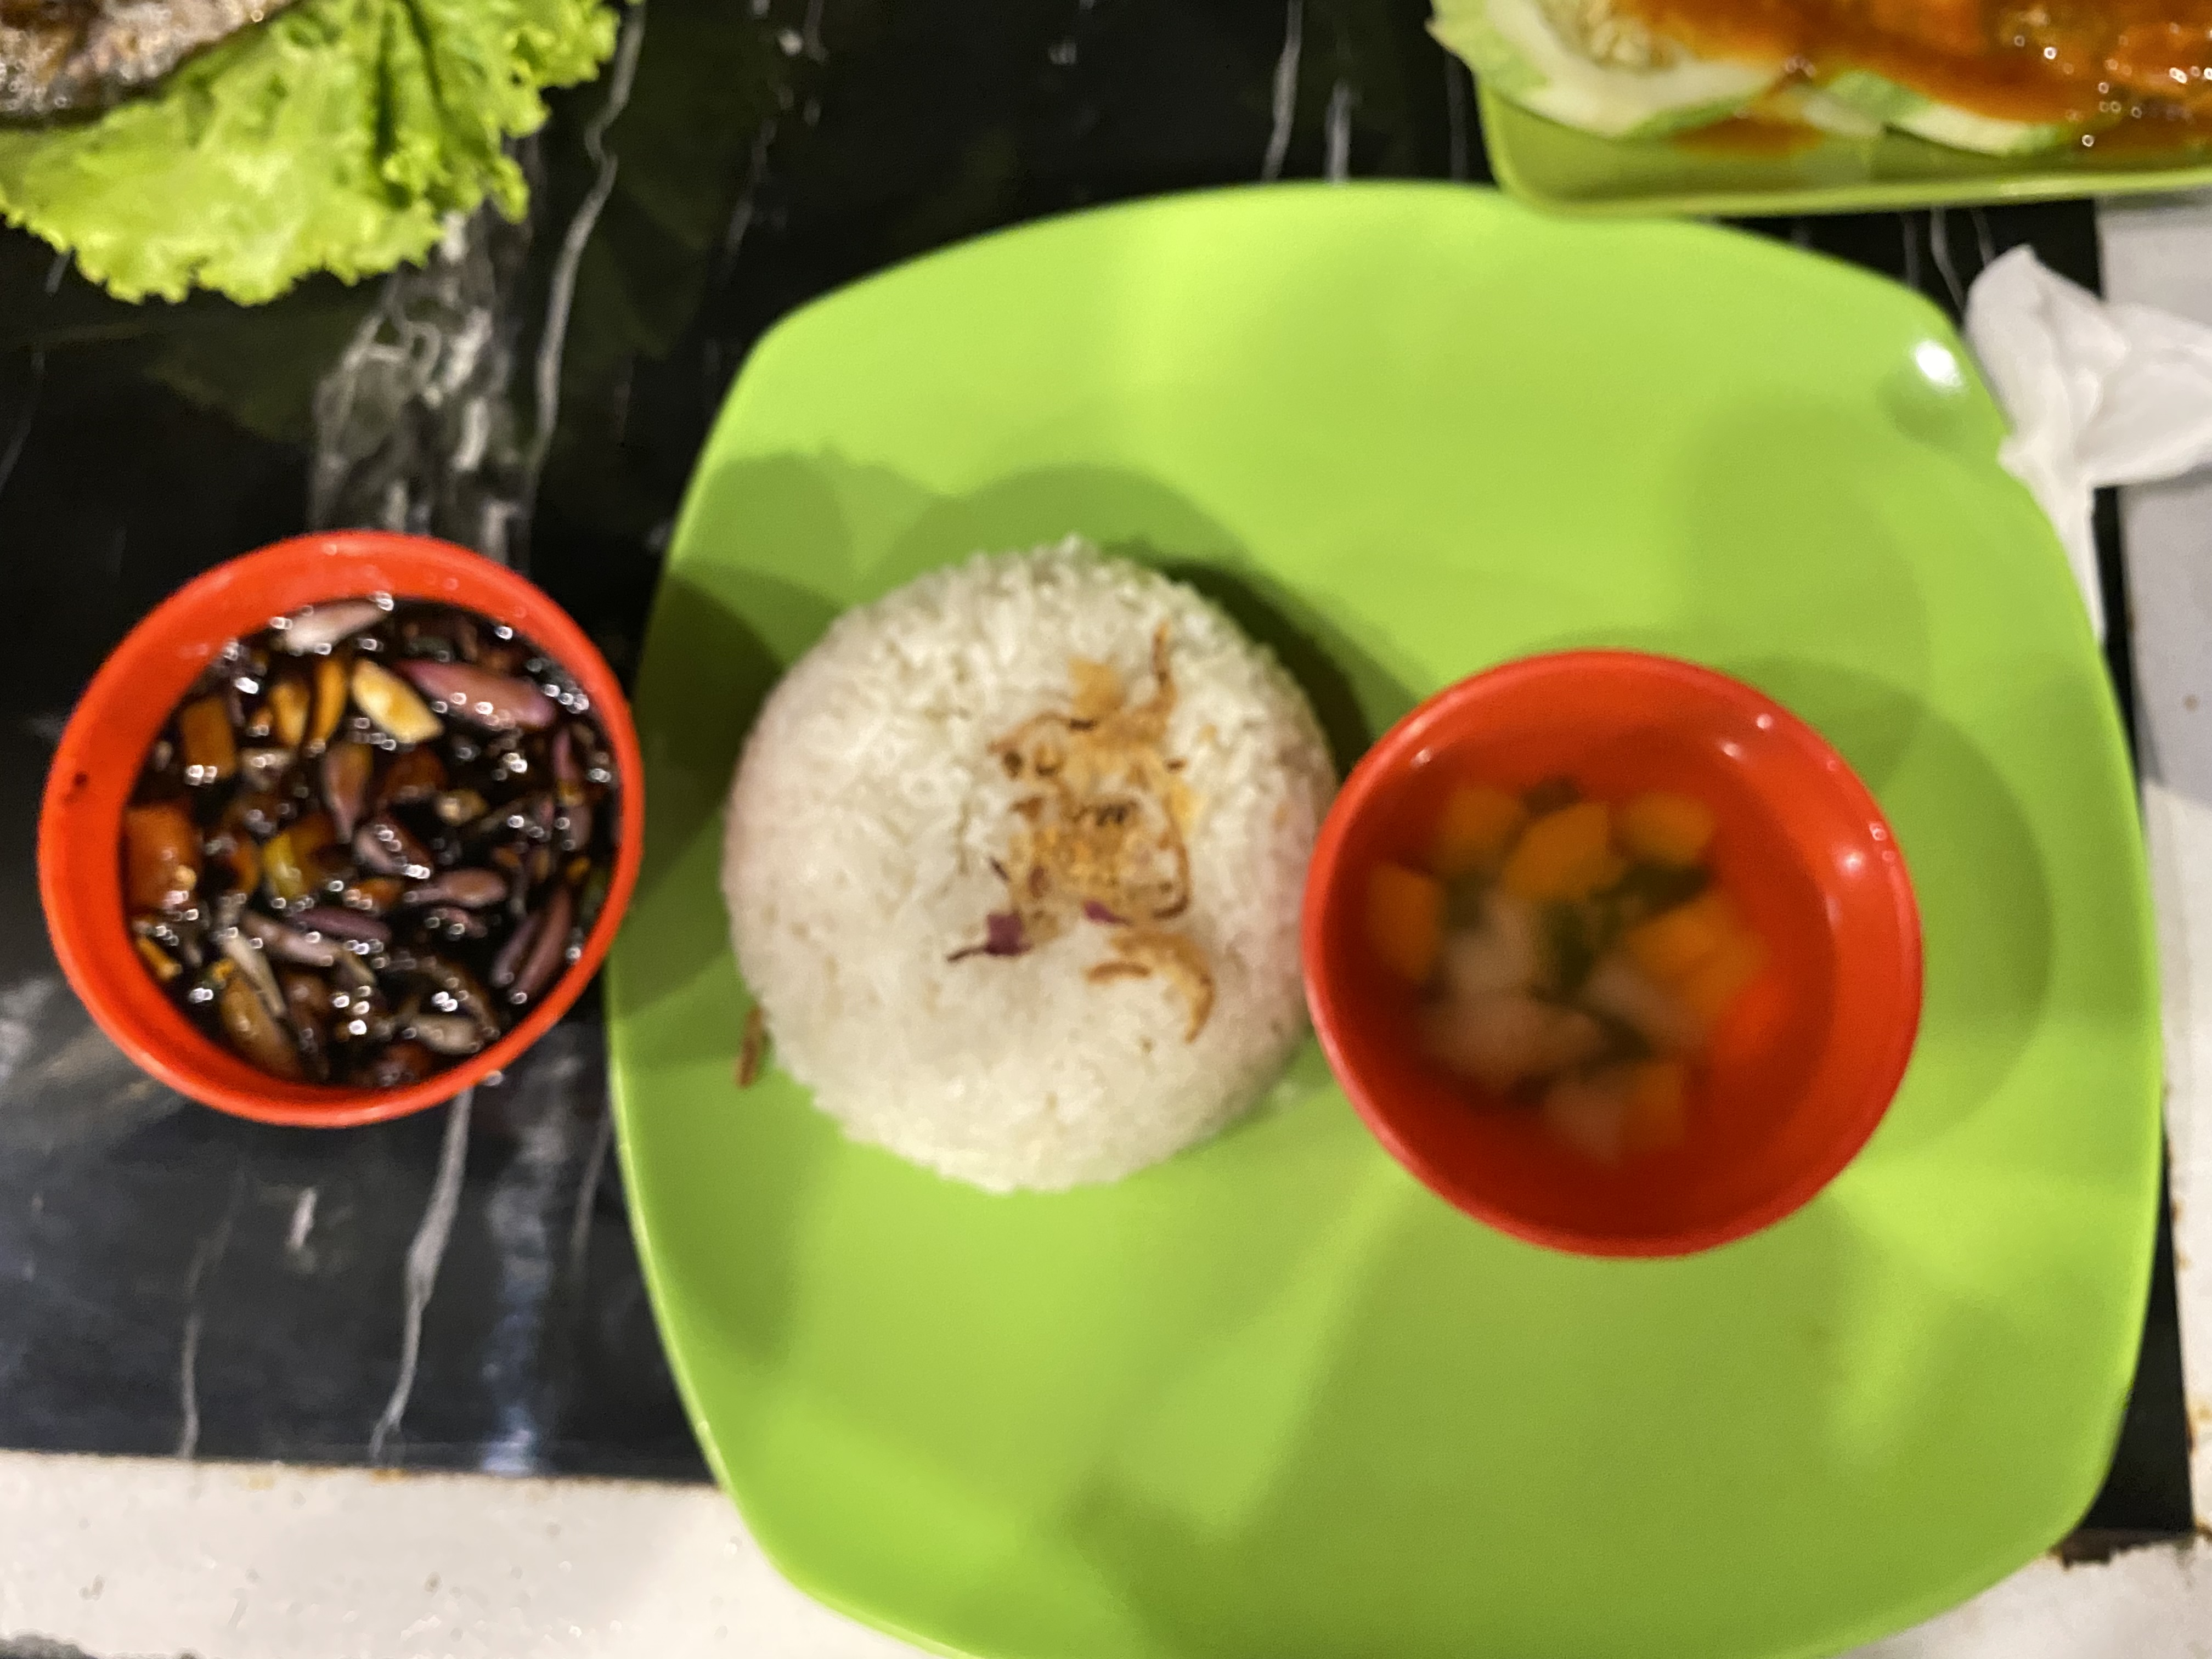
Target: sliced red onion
[[549, 953], [495, 701], [457, 982], [387, 847], [470, 889], [1099, 914], [451, 922], [1002, 937], [287, 944], [447, 1034], [319, 627], [342, 924], [508, 962]]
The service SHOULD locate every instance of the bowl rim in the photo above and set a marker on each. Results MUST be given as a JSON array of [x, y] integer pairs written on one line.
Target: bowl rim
[[173, 1051], [1396, 746]]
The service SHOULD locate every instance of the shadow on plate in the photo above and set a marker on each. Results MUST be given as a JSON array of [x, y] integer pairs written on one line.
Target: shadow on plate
[[1983, 893], [1838, 592], [1137, 518], [1355, 699], [1744, 1424], [712, 665]]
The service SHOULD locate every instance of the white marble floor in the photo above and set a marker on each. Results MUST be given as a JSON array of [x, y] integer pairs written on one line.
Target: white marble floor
[[127, 1557]]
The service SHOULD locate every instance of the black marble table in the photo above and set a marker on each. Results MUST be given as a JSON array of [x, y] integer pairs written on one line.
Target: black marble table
[[457, 1291]]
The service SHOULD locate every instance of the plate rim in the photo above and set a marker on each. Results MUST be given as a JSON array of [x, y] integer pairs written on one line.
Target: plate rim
[[2032, 185]]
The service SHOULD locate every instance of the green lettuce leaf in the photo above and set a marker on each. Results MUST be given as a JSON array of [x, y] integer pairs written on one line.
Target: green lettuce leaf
[[336, 136]]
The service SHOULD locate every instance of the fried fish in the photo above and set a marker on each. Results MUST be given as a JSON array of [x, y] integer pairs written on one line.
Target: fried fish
[[74, 56]]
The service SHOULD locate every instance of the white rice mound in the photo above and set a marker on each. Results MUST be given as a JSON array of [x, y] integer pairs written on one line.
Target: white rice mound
[[857, 856]]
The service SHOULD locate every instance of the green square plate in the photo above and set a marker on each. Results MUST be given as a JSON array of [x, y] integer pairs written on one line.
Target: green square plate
[[1557, 166], [1272, 1399]]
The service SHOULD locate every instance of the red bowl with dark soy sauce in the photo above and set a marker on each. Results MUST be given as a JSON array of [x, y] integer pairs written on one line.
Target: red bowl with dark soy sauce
[[131, 701]]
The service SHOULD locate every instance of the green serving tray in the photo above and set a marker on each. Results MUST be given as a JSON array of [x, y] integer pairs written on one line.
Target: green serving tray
[[1558, 167], [1272, 1399]]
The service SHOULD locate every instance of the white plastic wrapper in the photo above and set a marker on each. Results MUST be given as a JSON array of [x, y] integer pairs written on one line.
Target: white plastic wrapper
[[2097, 393]]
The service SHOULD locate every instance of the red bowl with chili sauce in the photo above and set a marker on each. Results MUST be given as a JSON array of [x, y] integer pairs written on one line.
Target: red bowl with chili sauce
[[130, 698], [1796, 1073]]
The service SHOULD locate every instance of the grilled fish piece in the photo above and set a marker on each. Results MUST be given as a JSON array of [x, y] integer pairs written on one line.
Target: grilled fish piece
[[78, 57]]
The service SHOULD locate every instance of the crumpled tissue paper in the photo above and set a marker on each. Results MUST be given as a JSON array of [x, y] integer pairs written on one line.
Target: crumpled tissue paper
[[2097, 393]]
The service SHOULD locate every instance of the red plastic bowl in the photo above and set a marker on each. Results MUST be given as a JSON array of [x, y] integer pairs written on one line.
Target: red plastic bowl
[[122, 711], [1803, 1066]]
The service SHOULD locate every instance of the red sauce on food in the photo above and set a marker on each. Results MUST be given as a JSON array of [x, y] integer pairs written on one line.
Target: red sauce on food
[[1750, 135], [2137, 71]]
